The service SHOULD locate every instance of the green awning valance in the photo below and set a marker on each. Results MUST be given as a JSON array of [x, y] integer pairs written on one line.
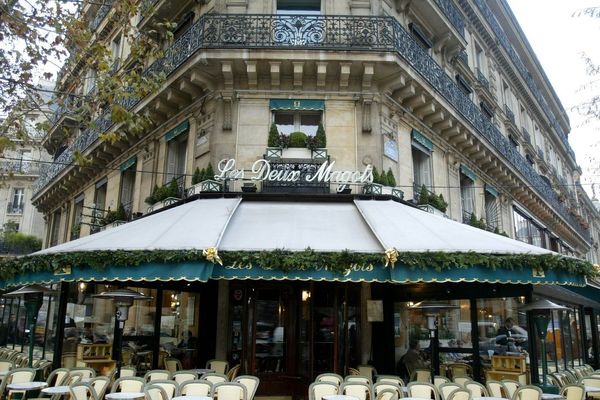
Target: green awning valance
[[129, 163], [466, 171], [204, 270], [291, 104], [178, 130], [491, 190], [422, 140]]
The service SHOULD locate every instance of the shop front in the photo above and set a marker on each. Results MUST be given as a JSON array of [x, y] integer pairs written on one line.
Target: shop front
[[291, 289]]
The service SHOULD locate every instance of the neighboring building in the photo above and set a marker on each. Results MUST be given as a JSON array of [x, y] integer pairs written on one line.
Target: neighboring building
[[20, 167], [440, 94]]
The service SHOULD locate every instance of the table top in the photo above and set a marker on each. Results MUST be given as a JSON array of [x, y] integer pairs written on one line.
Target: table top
[[592, 389], [27, 385], [56, 390], [203, 371], [340, 397], [489, 398], [192, 398], [551, 396], [100, 361], [124, 395]]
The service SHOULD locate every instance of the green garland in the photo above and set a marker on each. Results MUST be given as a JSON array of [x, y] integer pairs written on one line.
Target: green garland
[[285, 260]]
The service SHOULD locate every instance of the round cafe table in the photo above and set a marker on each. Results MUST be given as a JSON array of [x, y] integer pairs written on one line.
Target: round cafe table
[[192, 398], [592, 389], [551, 396], [124, 395], [60, 390], [27, 386], [339, 397], [202, 371]]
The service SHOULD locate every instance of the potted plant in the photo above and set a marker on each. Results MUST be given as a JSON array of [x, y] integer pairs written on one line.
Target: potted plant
[[431, 202], [203, 181], [114, 218], [163, 195], [297, 146]]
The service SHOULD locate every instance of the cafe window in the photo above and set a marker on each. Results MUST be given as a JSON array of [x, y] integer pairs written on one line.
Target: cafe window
[[45, 332], [54, 232], [176, 160], [77, 217], [491, 207], [467, 196], [421, 169], [126, 189], [528, 231], [306, 122], [179, 328], [99, 205]]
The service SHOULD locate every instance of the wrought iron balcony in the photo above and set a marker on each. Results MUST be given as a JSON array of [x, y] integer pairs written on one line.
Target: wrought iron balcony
[[21, 167], [526, 135], [482, 79], [453, 15], [310, 32], [505, 43], [100, 14], [509, 114]]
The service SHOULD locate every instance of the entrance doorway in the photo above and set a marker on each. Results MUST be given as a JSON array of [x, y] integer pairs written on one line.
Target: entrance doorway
[[288, 333]]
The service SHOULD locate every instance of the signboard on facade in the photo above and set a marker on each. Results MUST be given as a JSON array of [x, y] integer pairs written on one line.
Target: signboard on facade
[[390, 147], [264, 171]]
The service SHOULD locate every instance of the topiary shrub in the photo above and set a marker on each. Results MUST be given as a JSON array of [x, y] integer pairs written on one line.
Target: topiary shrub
[[298, 139], [320, 137], [198, 174], [210, 173], [172, 189], [376, 177], [273, 139], [111, 216], [424, 196], [152, 198], [391, 180]]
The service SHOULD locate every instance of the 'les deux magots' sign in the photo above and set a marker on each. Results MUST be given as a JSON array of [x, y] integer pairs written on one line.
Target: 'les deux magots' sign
[[261, 171]]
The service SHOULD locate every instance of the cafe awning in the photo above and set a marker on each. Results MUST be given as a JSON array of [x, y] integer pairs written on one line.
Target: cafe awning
[[233, 225]]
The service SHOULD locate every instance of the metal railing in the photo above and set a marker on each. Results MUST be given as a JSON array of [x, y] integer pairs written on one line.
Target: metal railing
[[525, 74], [482, 79], [15, 208], [22, 167], [347, 33], [100, 14], [453, 15]]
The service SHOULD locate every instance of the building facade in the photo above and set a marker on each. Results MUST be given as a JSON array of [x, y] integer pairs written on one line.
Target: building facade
[[444, 100]]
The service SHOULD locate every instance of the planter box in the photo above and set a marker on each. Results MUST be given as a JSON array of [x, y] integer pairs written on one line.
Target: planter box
[[432, 210], [376, 188], [166, 202], [206, 186], [319, 154], [273, 153], [372, 188], [113, 225], [296, 152]]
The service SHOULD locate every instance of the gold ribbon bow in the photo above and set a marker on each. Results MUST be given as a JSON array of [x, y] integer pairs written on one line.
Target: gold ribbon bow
[[212, 255], [391, 256]]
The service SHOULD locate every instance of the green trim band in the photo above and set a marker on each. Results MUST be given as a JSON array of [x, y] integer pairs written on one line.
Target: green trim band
[[468, 172], [491, 190], [178, 130], [129, 163], [291, 104], [421, 139]]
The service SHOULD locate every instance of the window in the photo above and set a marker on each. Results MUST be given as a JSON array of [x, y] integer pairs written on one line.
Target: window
[[90, 81], [528, 231], [487, 110], [99, 204], [298, 121], [420, 35], [421, 170], [491, 209], [176, 159], [479, 59], [467, 196], [55, 228], [126, 190], [18, 201], [464, 85], [116, 49], [183, 24], [77, 217], [513, 140], [298, 6], [495, 318], [25, 161]]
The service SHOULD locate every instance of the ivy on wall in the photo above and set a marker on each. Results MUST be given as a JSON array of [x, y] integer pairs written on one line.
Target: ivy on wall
[[285, 260]]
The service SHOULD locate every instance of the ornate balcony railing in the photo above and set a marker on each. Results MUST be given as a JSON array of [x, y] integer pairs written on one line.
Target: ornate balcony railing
[[482, 79], [509, 114], [21, 167], [525, 74], [348, 33], [453, 15], [100, 14], [526, 135]]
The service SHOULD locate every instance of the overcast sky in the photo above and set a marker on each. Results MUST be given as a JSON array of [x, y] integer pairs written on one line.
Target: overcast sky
[[559, 39]]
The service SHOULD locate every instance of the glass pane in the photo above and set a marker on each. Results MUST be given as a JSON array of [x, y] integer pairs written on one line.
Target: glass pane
[[324, 330], [285, 123], [309, 123], [179, 328], [304, 333], [138, 333], [502, 328], [89, 327], [270, 332], [589, 349]]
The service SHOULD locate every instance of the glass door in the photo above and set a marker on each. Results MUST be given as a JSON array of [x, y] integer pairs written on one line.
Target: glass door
[[270, 330]]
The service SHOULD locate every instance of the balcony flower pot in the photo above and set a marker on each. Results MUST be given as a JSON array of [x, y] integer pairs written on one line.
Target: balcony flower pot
[[113, 225], [273, 153], [296, 152], [161, 204]]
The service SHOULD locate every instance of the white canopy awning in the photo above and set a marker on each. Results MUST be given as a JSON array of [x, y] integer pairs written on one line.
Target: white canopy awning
[[369, 226]]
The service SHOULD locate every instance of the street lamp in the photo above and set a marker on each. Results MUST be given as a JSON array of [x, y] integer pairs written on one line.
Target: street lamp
[[432, 310], [123, 299], [33, 297], [541, 320]]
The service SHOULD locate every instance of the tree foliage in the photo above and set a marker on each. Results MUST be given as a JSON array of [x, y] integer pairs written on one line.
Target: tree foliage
[[39, 37]]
